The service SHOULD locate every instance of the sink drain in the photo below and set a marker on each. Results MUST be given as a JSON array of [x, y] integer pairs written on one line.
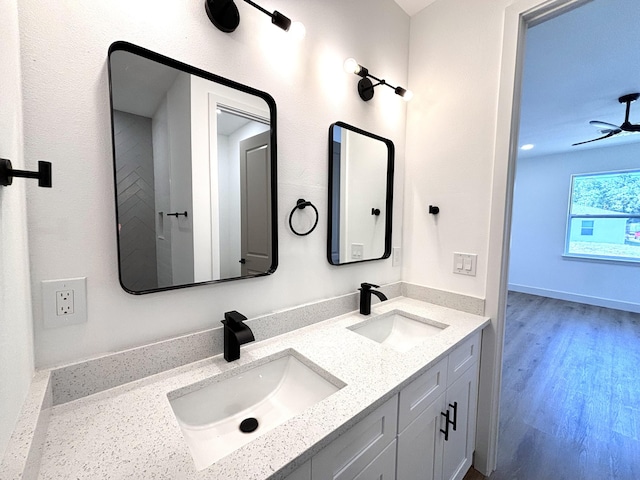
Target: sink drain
[[248, 425]]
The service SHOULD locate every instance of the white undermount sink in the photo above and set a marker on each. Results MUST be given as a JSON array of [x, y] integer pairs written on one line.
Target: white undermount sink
[[260, 397], [399, 330]]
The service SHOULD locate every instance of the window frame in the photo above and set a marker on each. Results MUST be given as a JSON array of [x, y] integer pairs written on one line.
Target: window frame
[[571, 216]]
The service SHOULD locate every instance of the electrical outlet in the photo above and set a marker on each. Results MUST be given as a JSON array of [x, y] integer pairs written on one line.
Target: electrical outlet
[[64, 302], [357, 251]]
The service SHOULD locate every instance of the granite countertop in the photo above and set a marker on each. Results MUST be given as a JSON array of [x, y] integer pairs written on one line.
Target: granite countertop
[[131, 431]]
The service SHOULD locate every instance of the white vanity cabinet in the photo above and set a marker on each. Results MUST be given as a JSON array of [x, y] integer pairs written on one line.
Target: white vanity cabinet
[[403, 439], [423, 451]]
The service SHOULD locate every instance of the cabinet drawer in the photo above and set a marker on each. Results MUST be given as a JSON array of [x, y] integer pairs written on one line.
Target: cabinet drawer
[[420, 393], [303, 472], [463, 357], [352, 451], [383, 467]]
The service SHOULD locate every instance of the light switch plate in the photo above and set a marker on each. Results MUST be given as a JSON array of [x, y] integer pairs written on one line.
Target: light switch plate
[[465, 263], [64, 302]]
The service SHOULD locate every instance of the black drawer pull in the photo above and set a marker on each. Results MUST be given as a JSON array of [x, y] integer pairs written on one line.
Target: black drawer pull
[[446, 425], [455, 415]]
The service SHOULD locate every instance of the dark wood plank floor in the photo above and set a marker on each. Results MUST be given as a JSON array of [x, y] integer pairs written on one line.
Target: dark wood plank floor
[[570, 404]]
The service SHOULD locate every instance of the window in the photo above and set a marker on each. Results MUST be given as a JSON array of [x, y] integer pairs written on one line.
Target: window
[[604, 216], [587, 227]]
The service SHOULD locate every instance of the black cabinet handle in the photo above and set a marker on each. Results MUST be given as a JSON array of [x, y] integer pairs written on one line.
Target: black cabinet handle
[[455, 415], [446, 425], [242, 261]]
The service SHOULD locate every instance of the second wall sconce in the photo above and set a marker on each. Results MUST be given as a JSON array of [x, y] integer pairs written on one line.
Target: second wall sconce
[[366, 86], [225, 16]]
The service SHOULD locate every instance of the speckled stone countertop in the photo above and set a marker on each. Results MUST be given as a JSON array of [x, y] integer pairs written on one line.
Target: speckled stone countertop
[[131, 432]]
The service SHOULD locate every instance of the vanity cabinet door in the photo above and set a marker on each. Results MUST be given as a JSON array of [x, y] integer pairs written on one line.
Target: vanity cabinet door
[[301, 473], [458, 450], [421, 445], [349, 454]]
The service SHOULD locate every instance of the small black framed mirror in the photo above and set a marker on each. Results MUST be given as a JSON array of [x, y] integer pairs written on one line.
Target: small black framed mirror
[[194, 158], [361, 166]]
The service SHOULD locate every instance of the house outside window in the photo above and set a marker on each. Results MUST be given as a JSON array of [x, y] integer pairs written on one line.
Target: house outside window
[[587, 227], [604, 216]]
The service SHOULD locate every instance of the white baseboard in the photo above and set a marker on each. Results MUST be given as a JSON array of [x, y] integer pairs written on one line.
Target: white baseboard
[[574, 297]]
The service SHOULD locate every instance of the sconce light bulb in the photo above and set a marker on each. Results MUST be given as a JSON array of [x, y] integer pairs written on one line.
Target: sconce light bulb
[[351, 66], [297, 30], [408, 95]]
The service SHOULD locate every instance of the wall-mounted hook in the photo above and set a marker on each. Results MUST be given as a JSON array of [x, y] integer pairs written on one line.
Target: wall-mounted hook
[[375, 211], [43, 175], [433, 210]]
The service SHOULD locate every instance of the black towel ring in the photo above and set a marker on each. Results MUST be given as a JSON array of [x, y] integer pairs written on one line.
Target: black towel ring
[[301, 204]]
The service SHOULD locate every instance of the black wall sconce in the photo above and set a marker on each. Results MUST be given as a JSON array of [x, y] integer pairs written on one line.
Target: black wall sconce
[[7, 173], [366, 86], [225, 16]]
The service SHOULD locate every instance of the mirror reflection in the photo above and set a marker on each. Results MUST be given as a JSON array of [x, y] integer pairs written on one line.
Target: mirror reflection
[[195, 174], [360, 195]]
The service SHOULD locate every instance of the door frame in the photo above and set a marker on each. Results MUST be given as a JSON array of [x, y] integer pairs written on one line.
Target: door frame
[[519, 16]]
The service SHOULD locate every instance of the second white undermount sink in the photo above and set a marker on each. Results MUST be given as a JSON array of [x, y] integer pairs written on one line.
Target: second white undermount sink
[[398, 330], [219, 416]]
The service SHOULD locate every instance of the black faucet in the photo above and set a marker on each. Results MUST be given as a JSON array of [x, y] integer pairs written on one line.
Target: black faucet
[[236, 333], [365, 297]]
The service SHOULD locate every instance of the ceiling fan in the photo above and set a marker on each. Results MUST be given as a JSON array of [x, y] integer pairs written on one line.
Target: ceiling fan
[[609, 129]]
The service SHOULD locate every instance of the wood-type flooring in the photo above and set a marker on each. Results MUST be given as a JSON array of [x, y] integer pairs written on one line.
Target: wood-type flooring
[[570, 402]]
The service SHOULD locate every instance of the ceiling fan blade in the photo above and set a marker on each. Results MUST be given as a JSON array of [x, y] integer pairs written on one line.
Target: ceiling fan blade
[[610, 134], [605, 125]]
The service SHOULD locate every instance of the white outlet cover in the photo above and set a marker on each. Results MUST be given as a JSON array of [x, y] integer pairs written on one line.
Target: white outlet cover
[[49, 305]]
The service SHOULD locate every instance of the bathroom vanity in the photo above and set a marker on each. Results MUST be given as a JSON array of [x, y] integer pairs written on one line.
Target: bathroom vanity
[[385, 408]]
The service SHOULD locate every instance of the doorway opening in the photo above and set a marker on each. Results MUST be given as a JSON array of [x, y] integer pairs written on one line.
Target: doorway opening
[[569, 397]]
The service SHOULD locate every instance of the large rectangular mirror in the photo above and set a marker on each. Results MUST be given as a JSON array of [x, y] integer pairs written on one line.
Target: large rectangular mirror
[[360, 195], [195, 174]]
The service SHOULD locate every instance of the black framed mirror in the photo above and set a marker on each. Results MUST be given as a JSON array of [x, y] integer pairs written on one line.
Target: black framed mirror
[[194, 158], [360, 195]]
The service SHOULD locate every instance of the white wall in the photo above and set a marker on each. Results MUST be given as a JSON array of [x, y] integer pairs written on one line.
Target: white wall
[[538, 229], [16, 336], [451, 129], [66, 110]]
